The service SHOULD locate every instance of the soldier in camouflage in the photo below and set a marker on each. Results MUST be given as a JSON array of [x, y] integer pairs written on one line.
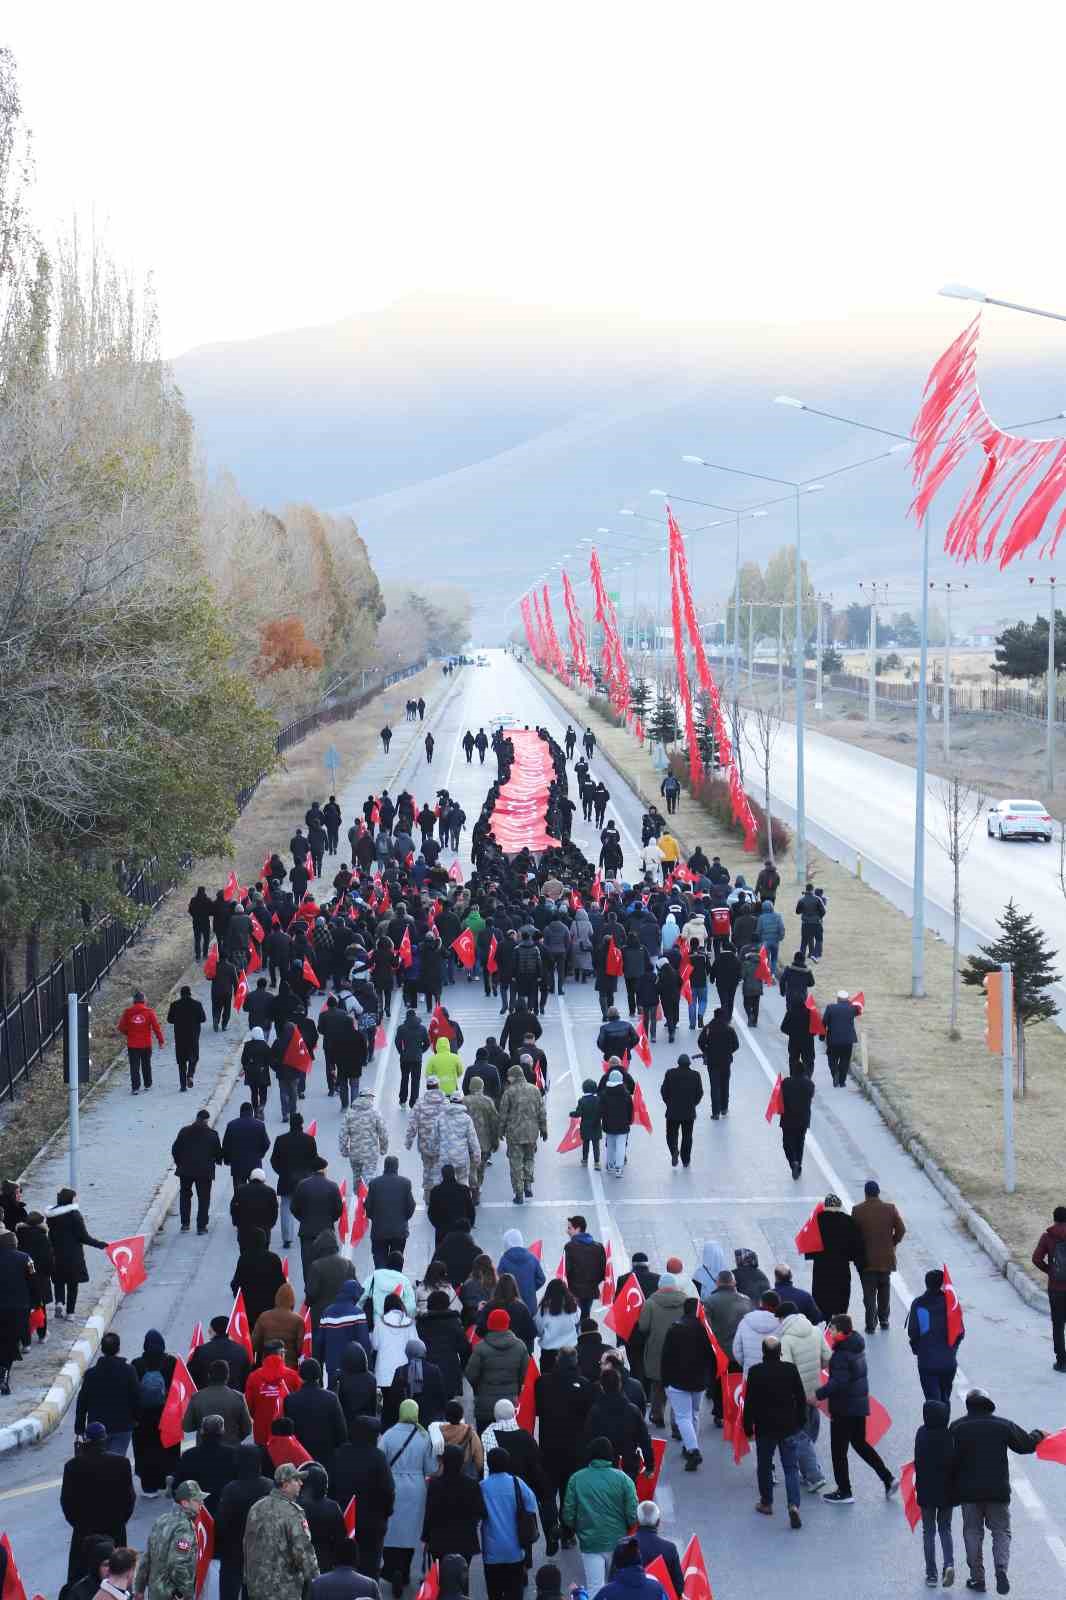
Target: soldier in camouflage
[[423, 1125], [167, 1570], [522, 1117], [363, 1138], [458, 1139], [279, 1558], [486, 1120]]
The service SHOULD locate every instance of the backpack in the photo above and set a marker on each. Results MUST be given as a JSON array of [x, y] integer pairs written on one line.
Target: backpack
[[1057, 1261], [152, 1390]]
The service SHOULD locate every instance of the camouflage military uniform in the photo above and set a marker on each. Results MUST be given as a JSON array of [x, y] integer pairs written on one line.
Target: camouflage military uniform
[[279, 1558], [423, 1125], [363, 1138], [458, 1141], [522, 1118], [486, 1120], [168, 1566]]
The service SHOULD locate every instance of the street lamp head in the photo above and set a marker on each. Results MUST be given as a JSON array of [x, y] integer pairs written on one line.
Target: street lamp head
[[962, 291], [789, 400], [625, 511], [603, 530], [660, 494], [758, 513], [894, 449], [812, 488], [695, 461]]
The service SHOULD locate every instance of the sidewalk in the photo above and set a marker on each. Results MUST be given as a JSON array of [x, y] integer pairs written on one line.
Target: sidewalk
[[126, 1184]]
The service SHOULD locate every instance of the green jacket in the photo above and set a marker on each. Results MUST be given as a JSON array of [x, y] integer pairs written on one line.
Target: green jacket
[[484, 1116], [474, 921], [600, 1506], [279, 1558], [522, 1116], [445, 1065], [168, 1566], [657, 1316]]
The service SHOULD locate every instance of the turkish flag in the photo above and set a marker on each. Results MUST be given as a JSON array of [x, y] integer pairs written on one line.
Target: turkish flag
[[956, 1326], [538, 1076], [775, 1106], [197, 1340], [571, 1139], [694, 1571], [730, 1410], [232, 888], [858, 999], [240, 994], [575, 900], [296, 1052], [643, 1044], [762, 971], [465, 948], [607, 1288], [385, 903], [721, 1360], [741, 1442], [342, 1225], [205, 1545], [525, 1410], [237, 1327], [686, 989], [127, 1258], [809, 1239], [641, 1118], [612, 964], [1053, 1447], [455, 872], [179, 1394], [375, 814], [623, 1315], [909, 1495], [429, 1588], [491, 962], [657, 1568], [596, 889], [380, 1037], [309, 866], [360, 1222], [404, 950], [13, 1589], [349, 1518], [308, 1338], [258, 931], [536, 1248], [877, 1423], [648, 1479], [255, 960], [310, 975], [814, 1018], [312, 1129], [211, 964]]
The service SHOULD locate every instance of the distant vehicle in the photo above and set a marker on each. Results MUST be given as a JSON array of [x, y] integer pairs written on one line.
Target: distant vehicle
[[1019, 819], [482, 661]]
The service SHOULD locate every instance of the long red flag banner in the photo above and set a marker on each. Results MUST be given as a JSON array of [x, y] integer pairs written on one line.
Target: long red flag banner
[[576, 626]]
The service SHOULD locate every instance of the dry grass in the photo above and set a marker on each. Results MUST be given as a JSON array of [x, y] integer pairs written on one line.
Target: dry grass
[[947, 1092], [160, 959]]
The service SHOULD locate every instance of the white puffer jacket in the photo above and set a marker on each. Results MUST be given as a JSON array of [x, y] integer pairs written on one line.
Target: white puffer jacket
[[807, 1350], [751, 1331]]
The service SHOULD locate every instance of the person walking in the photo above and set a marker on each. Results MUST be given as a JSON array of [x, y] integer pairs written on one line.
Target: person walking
[[882, 1229], [682, 1091], [616, 1111], [586, 1264], [223, 988], [1049, 1257], [770, 932], [137, 1025], [109, 1394], [69, 1236], [412, 1042], [927, 1330], [600, 1507], [486, 1120], [497, 1367], [838, 1020], [726, 971], [408, 1453], [522, 1118], [804, 1346], [797, 1093], [97, 1494], [389, 1205], [468, 746], [186, 1017], [524, 1267], [316, 1204], [847, 1390], [279, 1554], [670, 789], [196, 1152], [245, 1143], [430, 743], [811, 912], [454, 1504], [167, 1569], [234, 1505], [842, 1249], [386, 738], [153, 1461], [934, 1474], [775, 1411], [981, 1483], [509, 1527], [217, 1399], [363, 1138], [725, 1309], [751, 985], [687, 1367], [657, 1315], [424, 1131], [718, 1044]]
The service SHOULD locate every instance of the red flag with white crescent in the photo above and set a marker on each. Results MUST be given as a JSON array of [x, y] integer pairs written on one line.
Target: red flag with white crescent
[[643, 1044], [205, 1545], [342, 1225], [240, 994], [623, 1315], [232, 888], [196, 1341], [641, 1115], [296, 1053], [255, 960], [127, 1258], [403, 949], [237, 1327], [721, 1360], [211, 964], [349, 1518], [956, 1325], [465, 948], [360, 1222], [179, 1394], [694, 1572], [809, 1239], [491, 960], [657, 1569], [429, 1588], [525, 1410], [310, 975], [775, 1106], [647, 1481], [455, 872], [307, 1344], [571, 1139]]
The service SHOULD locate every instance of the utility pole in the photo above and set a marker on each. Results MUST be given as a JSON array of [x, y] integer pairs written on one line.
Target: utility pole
[[751, 646], [1052, 676], [949, 589], [871, 712]]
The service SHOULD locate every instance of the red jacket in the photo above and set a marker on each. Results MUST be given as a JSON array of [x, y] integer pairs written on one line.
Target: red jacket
[[138, 1023], [265, 1394]]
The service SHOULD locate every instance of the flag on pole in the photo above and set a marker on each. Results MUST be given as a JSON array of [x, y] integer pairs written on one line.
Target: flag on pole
[[643, 1044], [775, 1106], [641, 1115], [814, 1018], [181, 1391], [127, 1258], [909, 1495], [560, 1271], [429, 1588], [571, 1139], [342, 1225], [647, 1481], [404, 950], [237, 1327], [312, 1129], [1052, 1447], [211, 964], [310, 975], [240, 994], [858, 999], [809, 1239], [612, 963], [309, 867], [197, 1340], [607, 1288], [232, 888], [956, 1325], [465, 948], [762, 971], [455, 871], [360, 1222], [490, 962], [694, 1571], [349, 1518], [657, 1569], [623, 1315], [205, 1546], [296, 1053], [307, 1344], [525, 1410]]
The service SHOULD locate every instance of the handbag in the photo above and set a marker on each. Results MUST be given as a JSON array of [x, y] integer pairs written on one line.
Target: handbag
[[526, 1521]]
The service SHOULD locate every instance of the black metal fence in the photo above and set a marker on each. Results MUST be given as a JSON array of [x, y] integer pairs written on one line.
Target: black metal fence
[[35, 1017]]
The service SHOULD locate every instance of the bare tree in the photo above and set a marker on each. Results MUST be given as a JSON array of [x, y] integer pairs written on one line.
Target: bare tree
[[959, 806], [761, 726]]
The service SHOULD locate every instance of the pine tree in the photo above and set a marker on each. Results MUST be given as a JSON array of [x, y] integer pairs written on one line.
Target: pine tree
[[662, 727], [640, 697], [1023, 948], [706, 742]]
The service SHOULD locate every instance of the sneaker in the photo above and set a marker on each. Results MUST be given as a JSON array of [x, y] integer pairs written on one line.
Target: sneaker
[[794, 1518], [529, 1191], [596, 1167], [518, 1200], [813, 1488], [1060, 1366], [673, 1161], [763, 1509], [977, 1584], [931, 1580], [1002, 1581], [949, 1577], [891, 1486], [839, 1498]]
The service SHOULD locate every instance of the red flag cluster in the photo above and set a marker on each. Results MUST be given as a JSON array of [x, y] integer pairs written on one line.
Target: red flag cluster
[[615, 671], [576, 626]]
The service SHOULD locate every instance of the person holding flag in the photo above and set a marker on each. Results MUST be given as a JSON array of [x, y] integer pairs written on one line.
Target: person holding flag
[[935, 1330], [838, 1020]]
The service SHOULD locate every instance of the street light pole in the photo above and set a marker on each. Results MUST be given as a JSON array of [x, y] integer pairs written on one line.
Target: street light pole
[[801, 706]]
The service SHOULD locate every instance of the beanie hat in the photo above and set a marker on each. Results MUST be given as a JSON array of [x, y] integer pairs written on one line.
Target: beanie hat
[[842, 994], [675, 1264], [871, 1188], [499, 1320]]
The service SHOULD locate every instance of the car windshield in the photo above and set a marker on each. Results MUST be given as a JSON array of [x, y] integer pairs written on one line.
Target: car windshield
[[1025, 805]]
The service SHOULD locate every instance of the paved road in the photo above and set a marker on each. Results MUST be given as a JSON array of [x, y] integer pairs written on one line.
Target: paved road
[[738, 1191]]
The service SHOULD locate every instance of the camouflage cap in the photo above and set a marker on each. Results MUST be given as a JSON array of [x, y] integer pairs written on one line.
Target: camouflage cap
[[188, 1489], [286, 1472]]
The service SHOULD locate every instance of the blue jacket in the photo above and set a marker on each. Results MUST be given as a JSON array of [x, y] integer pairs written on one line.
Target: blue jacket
[[769, 928], [499, 1530], [839, 1018], [927, 1330], [848, 1389], [632, 1583], [527, 1272], [342, 1323], [651, 1546]]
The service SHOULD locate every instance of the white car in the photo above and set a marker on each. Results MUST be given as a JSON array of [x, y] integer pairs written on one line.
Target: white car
[[1019, 819]]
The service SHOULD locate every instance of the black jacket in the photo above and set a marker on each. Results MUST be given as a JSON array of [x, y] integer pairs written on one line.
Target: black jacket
[[454, 1509], [390, 1205], [258, 1277], [316, 1204], [197, 1151], [563, 1398], [614, 1417], [718, 1043], [586, 1265], [244, 1145], [186, 1017], [616, 1108], [69, 1236], [797, 1093], [360, 1469], [97, 1494], [412, 1040], [220, 1347], [212, 1463], [682, 1091], [235, 1502], [292, 1158], [687, 1360], [934, 1456], [343, 1583], [319, 1421], [255, 1205], [450, 1202], [981, 1439], [446, 1346], [458, 1250], [109, 1394], [848, 1388], [774, 1401]]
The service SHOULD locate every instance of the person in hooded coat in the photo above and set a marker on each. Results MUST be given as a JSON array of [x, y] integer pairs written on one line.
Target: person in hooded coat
[[523, 1266], [616, 1109], [842, 1249], [316, 1414], [407, 1450], [458, 1250], [712, 1262], [927, 1331], [414, 1379], [153, 1462], [327, 1274], [259, 1274], [325, 1519], [389, 1339], [449, 1202], [236, 1500], [454, 1509], [282, 1322], [497, 1366], [934, 1471], [343, 1322], [440, 1329], [69, 1236], [360, 1472], [355, 1386]]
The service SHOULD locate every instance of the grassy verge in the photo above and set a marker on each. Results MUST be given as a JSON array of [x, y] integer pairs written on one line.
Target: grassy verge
[[945, 1091]]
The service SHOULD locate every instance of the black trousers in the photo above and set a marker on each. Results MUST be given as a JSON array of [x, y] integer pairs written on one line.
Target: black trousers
[[505, 1580], [558, 966], [410, 1078], [231, 1579], [1056, 1299], [140, 1067], [809, 938], [187, 1062], [876, 1297], [726, 996], [719, 1077], [201, 939], [382, 1248], [671, 804], [203, 1201], [849, 1433], [674, 1127], [792, 1140], [839, 1062], [220, 1012], [751, 1008]]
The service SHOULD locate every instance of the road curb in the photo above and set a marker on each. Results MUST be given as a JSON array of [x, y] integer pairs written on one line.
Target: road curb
[[984, 1235]]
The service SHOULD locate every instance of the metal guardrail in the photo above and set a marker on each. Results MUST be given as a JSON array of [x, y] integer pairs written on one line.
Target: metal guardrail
[[965, 698], [35, 1017]]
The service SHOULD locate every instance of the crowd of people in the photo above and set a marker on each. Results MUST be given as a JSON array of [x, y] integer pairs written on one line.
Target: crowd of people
[[360, 1399]]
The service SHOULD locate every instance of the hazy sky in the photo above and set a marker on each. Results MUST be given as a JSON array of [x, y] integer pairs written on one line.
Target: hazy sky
[[277, 166]]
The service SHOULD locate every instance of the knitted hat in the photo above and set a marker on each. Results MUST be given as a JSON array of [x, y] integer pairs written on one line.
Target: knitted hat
[[499, 1320], [675, 1264]]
